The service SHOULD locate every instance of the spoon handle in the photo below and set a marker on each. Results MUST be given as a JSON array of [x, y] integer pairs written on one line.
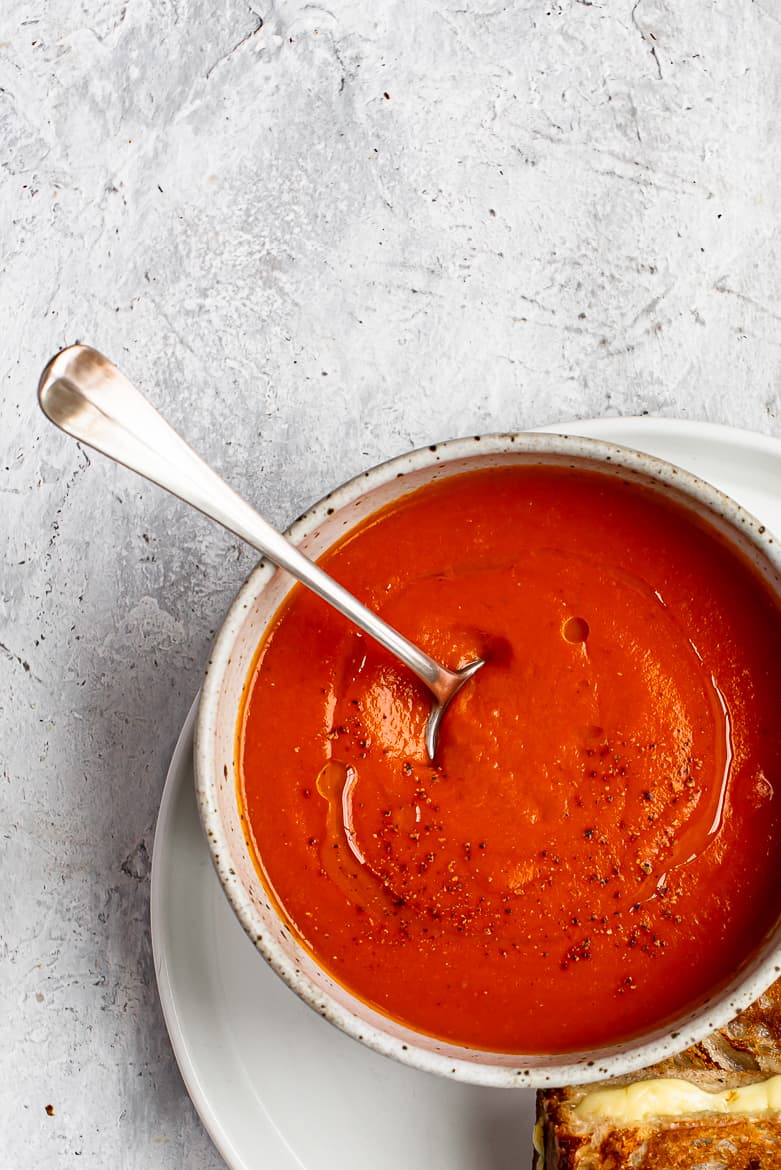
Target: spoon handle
[[85, 395]]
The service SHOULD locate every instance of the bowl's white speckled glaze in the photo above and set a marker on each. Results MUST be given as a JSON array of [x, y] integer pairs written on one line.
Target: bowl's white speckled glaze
[[215, 758]]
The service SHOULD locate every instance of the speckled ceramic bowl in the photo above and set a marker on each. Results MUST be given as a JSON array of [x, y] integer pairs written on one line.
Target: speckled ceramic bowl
[[215, 762]]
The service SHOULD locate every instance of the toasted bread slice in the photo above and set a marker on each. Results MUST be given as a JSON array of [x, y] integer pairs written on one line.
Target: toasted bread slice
[[751, 1042], [747, 1051], [754, 1036], [567, 1138]]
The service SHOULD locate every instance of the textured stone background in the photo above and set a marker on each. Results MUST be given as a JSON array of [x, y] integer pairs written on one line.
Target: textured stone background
[[318, 236]]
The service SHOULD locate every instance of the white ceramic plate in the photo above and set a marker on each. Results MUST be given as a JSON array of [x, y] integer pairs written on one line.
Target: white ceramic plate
[[275, 1085]]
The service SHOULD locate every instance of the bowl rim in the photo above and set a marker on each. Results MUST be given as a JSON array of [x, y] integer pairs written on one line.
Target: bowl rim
[[556, 1069]]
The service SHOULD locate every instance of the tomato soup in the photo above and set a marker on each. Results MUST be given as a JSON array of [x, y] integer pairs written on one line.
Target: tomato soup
[[597, 845]]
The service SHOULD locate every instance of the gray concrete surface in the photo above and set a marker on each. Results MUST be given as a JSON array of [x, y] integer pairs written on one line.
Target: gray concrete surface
[[318, 235]]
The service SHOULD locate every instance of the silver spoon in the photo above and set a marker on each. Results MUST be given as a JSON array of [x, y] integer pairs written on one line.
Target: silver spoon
[[84, 394]]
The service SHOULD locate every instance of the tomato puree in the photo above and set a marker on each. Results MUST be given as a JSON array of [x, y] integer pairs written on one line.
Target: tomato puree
[[598, 843]]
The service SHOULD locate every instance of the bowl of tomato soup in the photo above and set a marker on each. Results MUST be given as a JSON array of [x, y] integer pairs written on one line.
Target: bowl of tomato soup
[[586, 878]]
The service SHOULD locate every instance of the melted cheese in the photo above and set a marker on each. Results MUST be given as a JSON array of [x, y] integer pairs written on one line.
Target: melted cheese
[[671, 1097]]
